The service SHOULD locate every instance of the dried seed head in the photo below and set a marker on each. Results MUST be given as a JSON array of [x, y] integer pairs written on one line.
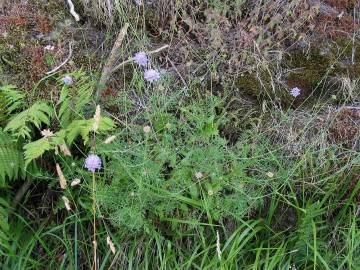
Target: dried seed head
[[75, 182], [65, 150], [97, 118], [62, 179], [110, 139], [110, 244], [218, 248], [67, 203]]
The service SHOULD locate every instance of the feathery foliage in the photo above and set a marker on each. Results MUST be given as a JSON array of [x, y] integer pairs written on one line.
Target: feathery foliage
[[4, 227], [20, 125], [11, 159]]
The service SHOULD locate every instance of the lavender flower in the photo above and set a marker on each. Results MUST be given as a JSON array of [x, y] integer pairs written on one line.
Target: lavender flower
[[151, 75], [140, 58], [92, 163], [295, 91], [67, 80], [138, 2]]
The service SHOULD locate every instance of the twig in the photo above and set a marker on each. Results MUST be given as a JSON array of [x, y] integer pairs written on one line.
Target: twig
[[63, 63], [108, 68], [149, 53], [178, 73], [72, 11], [20, 193]]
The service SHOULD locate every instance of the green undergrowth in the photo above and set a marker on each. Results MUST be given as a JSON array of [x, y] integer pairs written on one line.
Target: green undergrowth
[[173, 191]]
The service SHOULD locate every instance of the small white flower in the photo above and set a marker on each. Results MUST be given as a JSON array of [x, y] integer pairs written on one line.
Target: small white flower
[[199, 175], [68, 80], [49, 48], [146, 129], [47, 133], [270, 174]]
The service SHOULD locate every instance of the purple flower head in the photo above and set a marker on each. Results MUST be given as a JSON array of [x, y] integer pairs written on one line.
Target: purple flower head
[[67, 80], [295, 91], [138, 2], [151, 75], [140, 58], [92, 163]]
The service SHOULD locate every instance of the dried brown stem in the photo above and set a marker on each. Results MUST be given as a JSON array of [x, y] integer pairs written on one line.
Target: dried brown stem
[[108, 68]]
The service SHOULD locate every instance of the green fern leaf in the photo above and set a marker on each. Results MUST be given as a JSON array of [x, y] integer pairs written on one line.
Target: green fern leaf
[[11, 159], [84, 127], [4, 227], [10, 100], [74, 99], [14, 98], [38, 113], [35, 149]]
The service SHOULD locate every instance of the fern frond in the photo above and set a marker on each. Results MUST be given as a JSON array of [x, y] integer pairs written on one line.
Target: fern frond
[[37, 148], [74, 99], [10, 100], [14, 99], [4, 227], [38, 113], [11, 159], [84, 127]]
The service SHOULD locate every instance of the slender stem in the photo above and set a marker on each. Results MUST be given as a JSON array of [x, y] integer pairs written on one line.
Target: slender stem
[[94, 219]]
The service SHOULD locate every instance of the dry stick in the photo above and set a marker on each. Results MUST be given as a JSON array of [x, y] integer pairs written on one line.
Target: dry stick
[[130, 60], [20, 193], [72, 11], [108, 68], [63, 63]]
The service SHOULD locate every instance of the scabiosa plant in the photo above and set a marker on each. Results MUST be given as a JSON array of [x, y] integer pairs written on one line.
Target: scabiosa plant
[[295, 91], [67, 80], [151, 75], [141, 58], [92, 163]]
